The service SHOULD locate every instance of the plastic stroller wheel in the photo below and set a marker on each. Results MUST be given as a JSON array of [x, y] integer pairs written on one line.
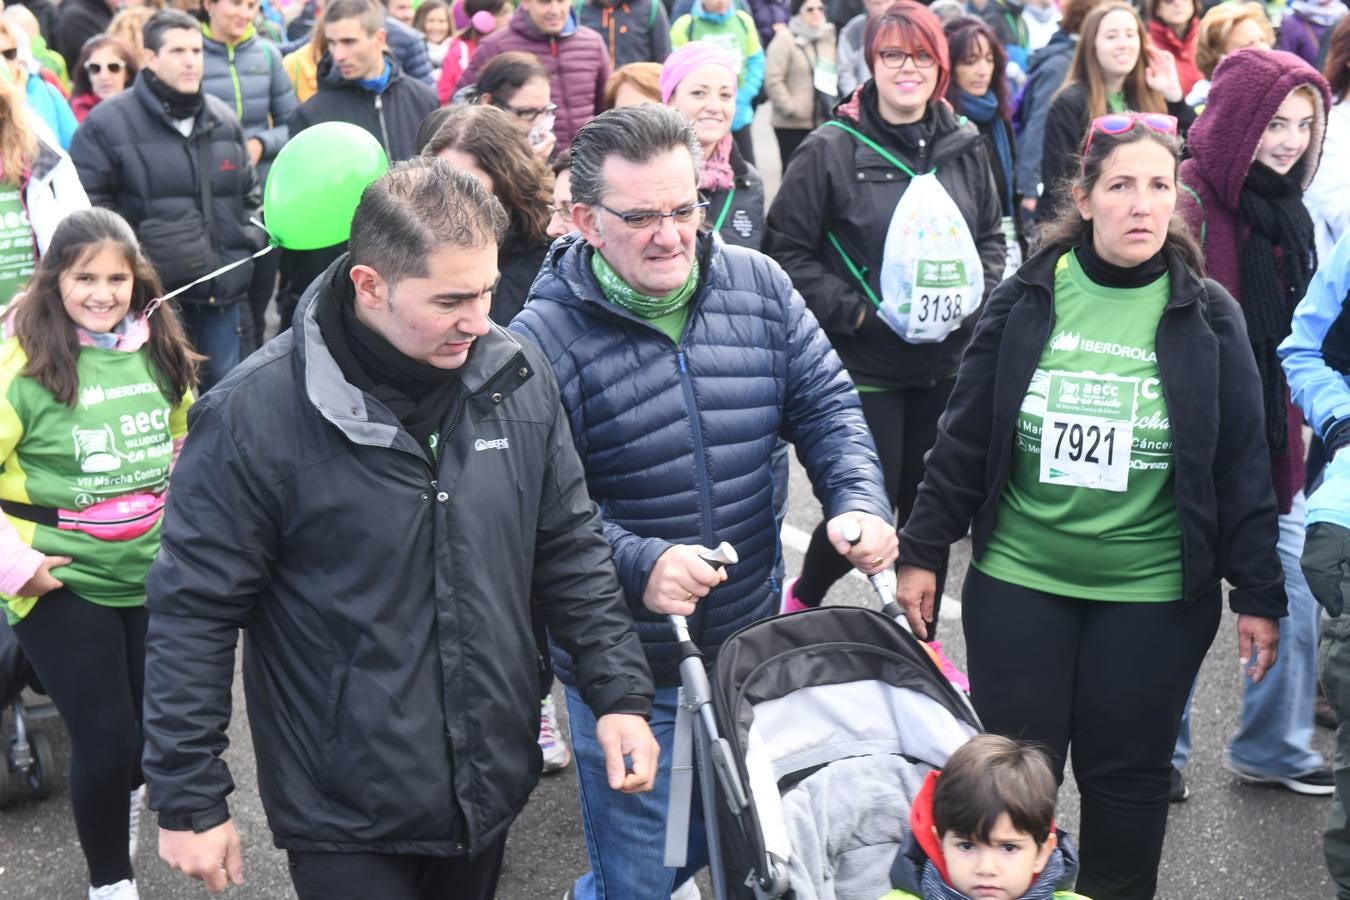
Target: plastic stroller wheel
[[43, 767], [4, 780]]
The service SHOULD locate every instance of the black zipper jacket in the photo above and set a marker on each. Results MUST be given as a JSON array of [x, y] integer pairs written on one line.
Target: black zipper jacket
[[1225, 500], [390, 667], [393, 115]]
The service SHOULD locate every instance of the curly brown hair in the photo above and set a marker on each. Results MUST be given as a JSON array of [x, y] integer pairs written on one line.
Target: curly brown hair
[[520, 180], [51, 340]]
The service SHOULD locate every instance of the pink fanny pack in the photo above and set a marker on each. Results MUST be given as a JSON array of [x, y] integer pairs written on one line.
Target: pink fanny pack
[[118, 519]]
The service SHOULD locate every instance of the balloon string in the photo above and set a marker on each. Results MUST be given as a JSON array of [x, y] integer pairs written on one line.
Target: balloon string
[[155, 303]]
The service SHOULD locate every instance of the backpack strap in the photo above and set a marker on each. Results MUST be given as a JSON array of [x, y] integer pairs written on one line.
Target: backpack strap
[[651, 15], [860, 274], [881, 151]]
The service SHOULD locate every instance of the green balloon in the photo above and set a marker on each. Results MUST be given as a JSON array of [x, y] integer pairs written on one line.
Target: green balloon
[[316, 183]]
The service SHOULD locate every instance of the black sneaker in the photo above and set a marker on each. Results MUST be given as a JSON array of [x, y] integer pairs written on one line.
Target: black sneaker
[[1317, 783], [1179, 790]]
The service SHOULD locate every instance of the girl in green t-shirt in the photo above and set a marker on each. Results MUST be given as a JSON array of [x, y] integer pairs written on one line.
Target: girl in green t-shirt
[[95, 382]]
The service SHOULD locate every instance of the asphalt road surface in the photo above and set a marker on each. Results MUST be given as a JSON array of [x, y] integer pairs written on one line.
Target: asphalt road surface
[[1227, 841]]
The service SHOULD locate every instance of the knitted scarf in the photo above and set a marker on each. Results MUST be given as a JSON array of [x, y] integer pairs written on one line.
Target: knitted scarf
[[716, 174], [1323, 15], [618, 291], [983, 110], [1271, 209]]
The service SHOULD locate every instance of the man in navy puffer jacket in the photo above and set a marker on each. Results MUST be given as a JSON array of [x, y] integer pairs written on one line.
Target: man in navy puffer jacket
[[680, 362]]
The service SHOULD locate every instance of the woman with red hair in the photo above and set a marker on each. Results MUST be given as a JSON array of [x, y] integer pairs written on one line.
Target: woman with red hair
[[842, 195]]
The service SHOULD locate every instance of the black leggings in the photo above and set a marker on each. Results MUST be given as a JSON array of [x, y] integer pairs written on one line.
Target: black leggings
[[91, 660], [357, 876], [1107, 680], [904, 427]]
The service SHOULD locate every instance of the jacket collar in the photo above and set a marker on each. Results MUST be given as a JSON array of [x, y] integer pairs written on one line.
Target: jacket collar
[[1184, 286], [343, 404], [330, 77]]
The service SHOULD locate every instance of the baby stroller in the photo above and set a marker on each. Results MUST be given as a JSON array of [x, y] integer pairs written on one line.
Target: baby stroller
[[28, 758], [813, 738]]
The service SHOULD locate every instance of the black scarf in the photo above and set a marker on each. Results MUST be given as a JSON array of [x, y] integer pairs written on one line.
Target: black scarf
[[1271, 209], [418, 394], [176, 103]]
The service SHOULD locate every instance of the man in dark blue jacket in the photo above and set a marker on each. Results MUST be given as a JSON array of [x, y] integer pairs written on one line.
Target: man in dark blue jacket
[[681, 361]]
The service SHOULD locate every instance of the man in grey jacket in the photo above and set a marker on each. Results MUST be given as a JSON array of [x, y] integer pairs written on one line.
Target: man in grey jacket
[[377, 496]]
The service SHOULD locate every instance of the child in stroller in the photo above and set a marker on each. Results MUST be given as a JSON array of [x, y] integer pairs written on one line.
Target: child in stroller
[[983, 829]]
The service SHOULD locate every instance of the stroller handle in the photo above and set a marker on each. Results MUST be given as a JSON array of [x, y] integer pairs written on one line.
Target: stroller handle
[[882, 582], [719, 557]]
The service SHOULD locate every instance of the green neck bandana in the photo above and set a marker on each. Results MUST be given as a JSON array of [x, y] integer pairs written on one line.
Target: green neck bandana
[[618, 291]]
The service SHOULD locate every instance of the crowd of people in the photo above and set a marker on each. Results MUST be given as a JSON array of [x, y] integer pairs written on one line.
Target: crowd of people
[[1068, 278]]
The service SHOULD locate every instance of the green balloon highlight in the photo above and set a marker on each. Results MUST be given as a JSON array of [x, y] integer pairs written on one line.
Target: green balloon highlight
[[316, 183]]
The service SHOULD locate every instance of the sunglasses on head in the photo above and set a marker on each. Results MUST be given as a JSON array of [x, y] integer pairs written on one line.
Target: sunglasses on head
[[94, 68], [1119, 123]]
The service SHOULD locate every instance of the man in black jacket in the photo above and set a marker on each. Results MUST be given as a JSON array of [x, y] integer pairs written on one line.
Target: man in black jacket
[[79, 21], [172, 161], [362, 84], [376, 496]]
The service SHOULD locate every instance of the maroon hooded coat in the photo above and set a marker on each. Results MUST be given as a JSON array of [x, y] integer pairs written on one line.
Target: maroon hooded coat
[[1248, 88]]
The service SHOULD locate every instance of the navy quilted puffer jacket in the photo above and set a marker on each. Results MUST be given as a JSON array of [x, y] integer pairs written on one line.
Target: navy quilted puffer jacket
[[676, 441]]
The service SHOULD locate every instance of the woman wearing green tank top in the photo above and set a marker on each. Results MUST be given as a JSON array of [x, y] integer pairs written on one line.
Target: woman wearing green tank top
[[1104, 443]]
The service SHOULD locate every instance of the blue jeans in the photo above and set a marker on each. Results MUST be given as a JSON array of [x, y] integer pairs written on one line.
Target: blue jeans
[[1274, 736], [626, 833], [214, 331]]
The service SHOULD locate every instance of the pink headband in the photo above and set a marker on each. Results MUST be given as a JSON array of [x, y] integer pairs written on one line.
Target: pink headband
[[693, 56]]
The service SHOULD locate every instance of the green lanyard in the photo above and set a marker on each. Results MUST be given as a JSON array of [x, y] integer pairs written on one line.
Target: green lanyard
[[726, 207], [881, 151]]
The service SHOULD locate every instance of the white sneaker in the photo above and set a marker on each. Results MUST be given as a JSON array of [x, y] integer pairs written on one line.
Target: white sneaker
[[556, 753], [123, 890], [686, 891], [134, 822]]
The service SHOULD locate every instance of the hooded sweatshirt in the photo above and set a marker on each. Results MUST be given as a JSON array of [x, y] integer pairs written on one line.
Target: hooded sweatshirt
[[1248, 88]]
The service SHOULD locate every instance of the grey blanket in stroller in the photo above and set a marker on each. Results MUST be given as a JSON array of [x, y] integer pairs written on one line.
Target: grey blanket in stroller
[[848, 821]]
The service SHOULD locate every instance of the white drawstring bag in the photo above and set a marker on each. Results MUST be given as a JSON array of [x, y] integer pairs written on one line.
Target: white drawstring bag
[[932, 279]]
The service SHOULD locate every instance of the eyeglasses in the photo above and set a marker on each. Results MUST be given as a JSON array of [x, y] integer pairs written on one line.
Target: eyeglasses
[[1119, 123], [646, 218], [892, 58], [562, 212], [530, 113], [11, 54], [93, 68]]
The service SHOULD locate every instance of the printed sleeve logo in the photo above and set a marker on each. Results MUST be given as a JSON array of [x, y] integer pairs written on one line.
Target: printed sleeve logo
[[499, 444]]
